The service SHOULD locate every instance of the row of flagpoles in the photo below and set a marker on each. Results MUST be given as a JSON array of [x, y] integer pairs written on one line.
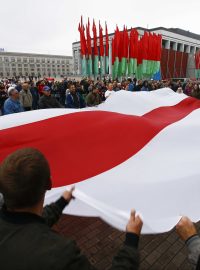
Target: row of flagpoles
[[132, 55], [94, 54], [197, 65]]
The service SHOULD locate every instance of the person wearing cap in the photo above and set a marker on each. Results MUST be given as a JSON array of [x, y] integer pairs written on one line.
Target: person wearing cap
[[27, 240], [93, 98], [48, 101], [25, 97], [12, 104]]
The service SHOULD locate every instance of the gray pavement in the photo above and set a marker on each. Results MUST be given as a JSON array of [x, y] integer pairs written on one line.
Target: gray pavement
[[100, 242]]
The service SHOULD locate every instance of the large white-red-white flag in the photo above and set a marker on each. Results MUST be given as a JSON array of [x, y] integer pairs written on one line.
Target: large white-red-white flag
[[136, 150]]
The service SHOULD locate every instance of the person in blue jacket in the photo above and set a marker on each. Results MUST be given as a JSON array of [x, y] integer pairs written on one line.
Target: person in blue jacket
[[73, 99], [12, 104]]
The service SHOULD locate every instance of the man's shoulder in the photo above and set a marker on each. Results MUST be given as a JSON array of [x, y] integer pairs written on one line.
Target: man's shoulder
[[8, 101], [50, 248]]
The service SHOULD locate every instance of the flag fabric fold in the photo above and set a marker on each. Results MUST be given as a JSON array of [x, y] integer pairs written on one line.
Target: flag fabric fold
[[89, 50], [95, 53], [83, 48], [107, 52], [130, 144], [101, 49]]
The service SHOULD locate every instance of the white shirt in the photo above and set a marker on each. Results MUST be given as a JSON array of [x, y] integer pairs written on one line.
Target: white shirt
[[109, 93]]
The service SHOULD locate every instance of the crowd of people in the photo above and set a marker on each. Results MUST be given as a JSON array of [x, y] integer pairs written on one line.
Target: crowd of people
[[27, 240], [17, 95]]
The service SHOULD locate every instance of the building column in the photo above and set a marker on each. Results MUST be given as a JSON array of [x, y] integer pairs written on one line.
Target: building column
[[192, 49], [181, 47], [187, 48], [167, 44], [175, 46]]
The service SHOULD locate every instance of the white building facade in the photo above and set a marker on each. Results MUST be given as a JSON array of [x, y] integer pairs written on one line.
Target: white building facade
[[38, 65]]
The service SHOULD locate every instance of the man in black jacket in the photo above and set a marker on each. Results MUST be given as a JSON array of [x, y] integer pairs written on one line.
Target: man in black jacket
[[26, 240], [47, 101]]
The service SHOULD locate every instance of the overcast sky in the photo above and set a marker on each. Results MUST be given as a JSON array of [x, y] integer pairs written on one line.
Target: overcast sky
[[51, 26]]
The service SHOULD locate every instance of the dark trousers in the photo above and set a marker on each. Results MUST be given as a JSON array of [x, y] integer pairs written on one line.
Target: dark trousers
[[27, 109]]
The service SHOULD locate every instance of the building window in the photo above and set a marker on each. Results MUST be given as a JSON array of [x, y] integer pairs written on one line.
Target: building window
[[25, 60], [18, 59], [31, 60], [12, 59], [6, 59], [37, 60], [179, 46]]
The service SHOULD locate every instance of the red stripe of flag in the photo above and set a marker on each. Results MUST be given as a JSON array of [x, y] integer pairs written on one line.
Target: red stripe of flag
[[82, 145]]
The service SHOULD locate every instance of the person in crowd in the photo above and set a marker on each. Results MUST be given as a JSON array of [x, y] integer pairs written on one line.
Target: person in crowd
[[188, 233], [73, 99], [62, 87], [19, 86], [27, 240], [110, 91], [40, 85], [179, 90], [93, 98], [35, 96], [48, 101], [145, 86], [116, 86], [189, 89], [3, 97], [196, 91], [139, 85], [25, 97], [131, 85], [12, 104]]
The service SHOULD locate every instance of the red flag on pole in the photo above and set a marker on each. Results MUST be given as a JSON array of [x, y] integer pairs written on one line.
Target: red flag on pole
[[96, 54]]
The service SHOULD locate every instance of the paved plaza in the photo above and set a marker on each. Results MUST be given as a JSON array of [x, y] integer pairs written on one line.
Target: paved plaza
[[100, 242]]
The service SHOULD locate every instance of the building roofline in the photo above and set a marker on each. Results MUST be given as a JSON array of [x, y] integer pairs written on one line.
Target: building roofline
[[171, 30], [35, 54]]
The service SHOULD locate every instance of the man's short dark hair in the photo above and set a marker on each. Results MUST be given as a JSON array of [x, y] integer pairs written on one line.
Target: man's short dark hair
[[24, 178]]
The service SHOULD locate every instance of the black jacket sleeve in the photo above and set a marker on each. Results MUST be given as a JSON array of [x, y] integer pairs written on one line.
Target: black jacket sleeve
[[127, 257], [51, 213]]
